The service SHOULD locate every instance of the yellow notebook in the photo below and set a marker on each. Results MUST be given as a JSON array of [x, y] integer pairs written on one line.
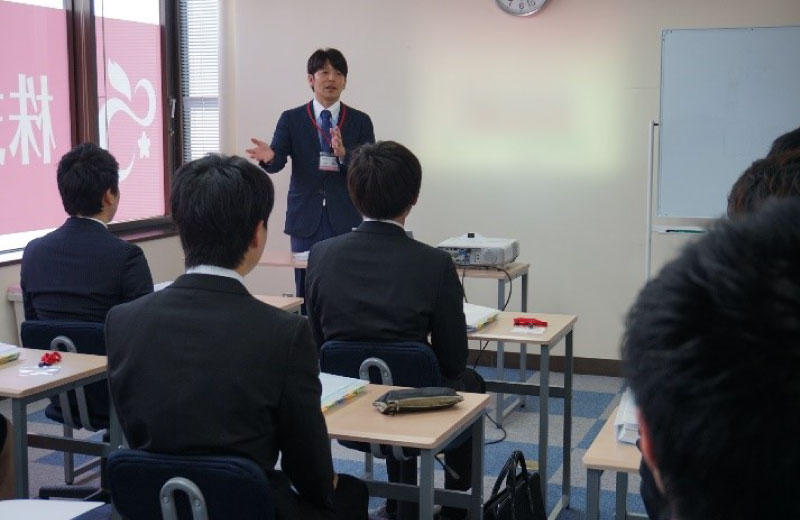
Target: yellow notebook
[[8, 352]]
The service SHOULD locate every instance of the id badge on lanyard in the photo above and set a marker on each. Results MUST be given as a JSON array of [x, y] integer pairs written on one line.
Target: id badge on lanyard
[[328, 162]]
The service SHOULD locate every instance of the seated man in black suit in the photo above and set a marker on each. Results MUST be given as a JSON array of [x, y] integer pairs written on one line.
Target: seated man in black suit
[[203, 367], [712, 353], [377, 284], [81, 270]]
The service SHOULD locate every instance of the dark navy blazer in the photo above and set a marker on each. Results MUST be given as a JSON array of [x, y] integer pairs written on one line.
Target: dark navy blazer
[[296, 136], [79, 271]]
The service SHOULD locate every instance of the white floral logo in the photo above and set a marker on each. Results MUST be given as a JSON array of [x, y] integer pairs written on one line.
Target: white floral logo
[[121, 83]]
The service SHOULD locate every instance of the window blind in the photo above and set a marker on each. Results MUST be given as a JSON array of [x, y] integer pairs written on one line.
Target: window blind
[[199, 42]]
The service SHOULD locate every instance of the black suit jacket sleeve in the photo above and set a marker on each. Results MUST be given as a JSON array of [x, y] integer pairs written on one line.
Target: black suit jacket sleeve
[[448, 331], [281, 145], [304, 444], [136, 278]]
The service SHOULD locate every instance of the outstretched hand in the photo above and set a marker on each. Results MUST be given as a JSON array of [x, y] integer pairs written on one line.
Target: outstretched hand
[[261, 151]]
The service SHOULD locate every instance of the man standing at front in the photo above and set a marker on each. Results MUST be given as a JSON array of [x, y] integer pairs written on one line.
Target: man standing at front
[[319, 137]]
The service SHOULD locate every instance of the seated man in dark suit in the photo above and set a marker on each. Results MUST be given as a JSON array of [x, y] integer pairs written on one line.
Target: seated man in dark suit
[[377, 284], [712, 353], [81, 270], [203, 367]]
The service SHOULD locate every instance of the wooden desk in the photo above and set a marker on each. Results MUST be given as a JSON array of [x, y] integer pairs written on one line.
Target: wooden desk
[[607, 454], [559, 326], [503, 275], [286, 303], [14, 295], [430, 432], [76, 370], [45, 509]]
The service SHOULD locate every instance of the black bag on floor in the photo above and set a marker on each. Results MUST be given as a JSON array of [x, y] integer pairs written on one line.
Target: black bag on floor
[[521, 499]]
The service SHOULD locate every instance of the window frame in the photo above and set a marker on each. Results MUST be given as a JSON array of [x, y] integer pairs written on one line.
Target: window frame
[[84, 107]]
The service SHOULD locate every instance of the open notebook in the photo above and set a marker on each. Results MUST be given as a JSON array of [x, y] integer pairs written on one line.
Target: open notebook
[[338, 388], [626, 425], [478, 316]]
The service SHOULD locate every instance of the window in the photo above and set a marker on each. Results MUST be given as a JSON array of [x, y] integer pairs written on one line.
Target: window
[[129, 93], [35, 117], [104, 71], [199, 53]]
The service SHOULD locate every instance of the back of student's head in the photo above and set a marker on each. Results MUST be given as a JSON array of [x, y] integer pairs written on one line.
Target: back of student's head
[[84, 174], [772, 177], [788, 142], [216, 202], [384, 179], [712, 354]]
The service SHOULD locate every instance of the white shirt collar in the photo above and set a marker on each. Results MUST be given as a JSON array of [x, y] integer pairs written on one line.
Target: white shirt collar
[[95, 219], [396, 223], [334, 110], [215, 270]]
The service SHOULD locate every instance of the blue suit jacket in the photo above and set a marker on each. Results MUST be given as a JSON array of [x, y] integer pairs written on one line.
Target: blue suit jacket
[[79, 271], [296, 136]]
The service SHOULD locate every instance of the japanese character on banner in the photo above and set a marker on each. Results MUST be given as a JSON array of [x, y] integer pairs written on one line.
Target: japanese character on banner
[[25, 137]]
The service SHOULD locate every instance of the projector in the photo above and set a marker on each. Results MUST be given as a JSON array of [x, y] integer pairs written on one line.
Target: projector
[[473, 249]]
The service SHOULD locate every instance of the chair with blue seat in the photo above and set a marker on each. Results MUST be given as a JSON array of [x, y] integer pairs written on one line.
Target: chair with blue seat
[[84, 408], [144, 486], [411, 364]]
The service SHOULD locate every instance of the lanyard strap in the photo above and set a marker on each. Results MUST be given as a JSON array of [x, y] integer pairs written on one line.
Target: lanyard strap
[[327, 138]]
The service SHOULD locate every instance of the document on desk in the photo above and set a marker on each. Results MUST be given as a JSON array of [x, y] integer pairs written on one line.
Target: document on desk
[[8, 352], [478, 316], [626, 426], [336, 389]]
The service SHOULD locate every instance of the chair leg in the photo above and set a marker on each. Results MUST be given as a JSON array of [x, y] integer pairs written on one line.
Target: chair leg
[[69, 459]]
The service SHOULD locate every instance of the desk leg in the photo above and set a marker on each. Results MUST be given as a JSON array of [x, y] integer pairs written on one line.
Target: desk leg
[[621, 497], [567, 453], [426, 485], [523, 347], [476, 501], [544, 414], [19, 416], [524, 297], [593, 494], [500, 375]]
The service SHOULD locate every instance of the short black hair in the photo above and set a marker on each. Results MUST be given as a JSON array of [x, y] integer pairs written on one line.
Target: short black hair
[[712, 354], [216, 203], [772, 177], [317, 61], [383, 179], [84, 174], [788, 142]]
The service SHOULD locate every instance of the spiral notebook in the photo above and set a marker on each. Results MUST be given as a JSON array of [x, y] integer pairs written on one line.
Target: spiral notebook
[[336, 389]]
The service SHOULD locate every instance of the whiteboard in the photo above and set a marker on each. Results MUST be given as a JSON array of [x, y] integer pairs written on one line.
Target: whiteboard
[[726, 94]]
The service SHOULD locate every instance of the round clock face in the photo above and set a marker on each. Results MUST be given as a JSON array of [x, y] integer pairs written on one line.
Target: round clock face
[[521, 7]]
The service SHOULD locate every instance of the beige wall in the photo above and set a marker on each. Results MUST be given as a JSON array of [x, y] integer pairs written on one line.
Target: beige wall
[[530, 128], [164, 256]]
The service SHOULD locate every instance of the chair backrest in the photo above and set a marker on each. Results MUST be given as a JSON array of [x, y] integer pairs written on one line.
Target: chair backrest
[[413, 364], [88, 338], [232, 487]]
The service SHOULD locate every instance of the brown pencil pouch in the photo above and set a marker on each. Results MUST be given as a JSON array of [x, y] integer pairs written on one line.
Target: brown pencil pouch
[[416, 399]]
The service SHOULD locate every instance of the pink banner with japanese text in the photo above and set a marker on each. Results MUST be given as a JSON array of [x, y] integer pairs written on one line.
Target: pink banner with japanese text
[[130, 112], [34, 115]]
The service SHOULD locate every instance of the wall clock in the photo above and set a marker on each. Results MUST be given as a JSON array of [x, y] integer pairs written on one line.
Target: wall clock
[[521, 7]]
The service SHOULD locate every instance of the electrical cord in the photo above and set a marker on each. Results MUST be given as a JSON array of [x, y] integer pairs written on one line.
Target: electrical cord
[[501, 439]]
